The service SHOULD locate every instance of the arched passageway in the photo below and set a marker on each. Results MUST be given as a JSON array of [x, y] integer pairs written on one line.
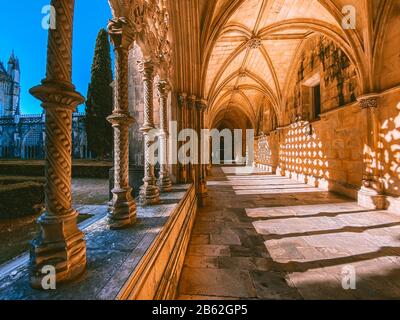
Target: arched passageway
[[318, 194], [323, 189]]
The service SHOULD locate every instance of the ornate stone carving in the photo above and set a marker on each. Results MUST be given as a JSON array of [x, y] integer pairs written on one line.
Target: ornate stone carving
[[242, 74], [254, 43], [61, 244], [165, 183], [149, 193], [121, 32], [123, 206], [368, 101], [146, 22], [150, 22]]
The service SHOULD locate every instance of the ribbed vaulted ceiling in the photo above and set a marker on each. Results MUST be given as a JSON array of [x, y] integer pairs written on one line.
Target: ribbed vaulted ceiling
[[252, 57]]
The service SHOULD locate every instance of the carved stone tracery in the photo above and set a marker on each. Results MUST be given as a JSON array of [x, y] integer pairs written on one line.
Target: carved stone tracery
[[149, 193], [123, 207], [144, 22]]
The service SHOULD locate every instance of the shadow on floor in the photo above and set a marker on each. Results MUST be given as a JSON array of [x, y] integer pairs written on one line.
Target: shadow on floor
[[288, 245]]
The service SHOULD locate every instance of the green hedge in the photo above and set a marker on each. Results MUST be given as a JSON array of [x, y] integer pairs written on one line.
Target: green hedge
[[7, 180], [21, 199]]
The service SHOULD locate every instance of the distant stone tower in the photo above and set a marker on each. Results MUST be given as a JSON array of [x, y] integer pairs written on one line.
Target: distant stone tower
[[10, 89]]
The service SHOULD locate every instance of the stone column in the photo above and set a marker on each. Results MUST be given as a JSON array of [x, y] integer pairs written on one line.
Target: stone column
[[249, 154], [123, 206], [164, 183], [371, 193], [149, 193], [203, 192], [281, 168], [182, 99], [191, 124], [60, 244], [210, 160]]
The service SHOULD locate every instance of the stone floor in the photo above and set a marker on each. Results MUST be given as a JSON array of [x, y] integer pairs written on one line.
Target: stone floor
[[268, 237]]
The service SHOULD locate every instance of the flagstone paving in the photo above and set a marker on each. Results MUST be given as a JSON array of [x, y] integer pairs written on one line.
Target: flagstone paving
[[269, 237]]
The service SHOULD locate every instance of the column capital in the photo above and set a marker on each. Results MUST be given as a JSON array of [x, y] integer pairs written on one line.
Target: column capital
[[202, 104], [121, 34], [147, 69], [369, 100], [191, 101], [163, 87], [182, 97]]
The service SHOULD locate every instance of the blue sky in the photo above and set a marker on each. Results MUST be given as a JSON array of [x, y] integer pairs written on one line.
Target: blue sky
[[22, 32]]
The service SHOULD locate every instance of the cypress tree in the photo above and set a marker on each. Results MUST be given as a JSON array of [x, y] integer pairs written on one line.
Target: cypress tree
[[99, 103]]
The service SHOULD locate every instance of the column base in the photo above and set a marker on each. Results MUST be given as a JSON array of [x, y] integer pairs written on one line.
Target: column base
[[149, 194], [122, 211], [371, 199], [165, 183], [60, 245], [136, 175], [203, 198]]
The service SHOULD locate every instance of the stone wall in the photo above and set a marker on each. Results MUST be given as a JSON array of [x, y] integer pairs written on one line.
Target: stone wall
[[326, 151], [389, 142], [321, 61]]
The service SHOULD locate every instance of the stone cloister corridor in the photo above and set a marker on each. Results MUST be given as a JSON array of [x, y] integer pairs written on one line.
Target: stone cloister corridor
[[255, 155], [269, 237]]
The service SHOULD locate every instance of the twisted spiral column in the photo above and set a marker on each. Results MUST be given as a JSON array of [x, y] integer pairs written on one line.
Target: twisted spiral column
[[164, 182], [60, 244], [149, 193], [123, 207]]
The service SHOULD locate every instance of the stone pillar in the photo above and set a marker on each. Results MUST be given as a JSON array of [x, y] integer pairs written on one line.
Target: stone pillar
[[203, 192], [249, 151], [149, 193], [182, 99], [123, 206], [281, 168], [61, 244], [191, 124], [371, 194], [164, 183], [210, 160]]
